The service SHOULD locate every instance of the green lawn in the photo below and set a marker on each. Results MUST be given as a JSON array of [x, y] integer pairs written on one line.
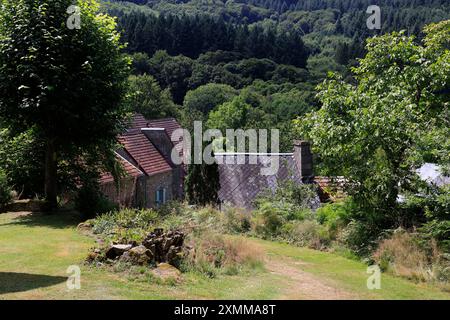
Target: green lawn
[[35, 252]]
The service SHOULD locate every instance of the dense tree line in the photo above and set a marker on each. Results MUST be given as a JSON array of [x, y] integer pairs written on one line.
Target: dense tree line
[[193, 35], [336, 29], [341, 5]]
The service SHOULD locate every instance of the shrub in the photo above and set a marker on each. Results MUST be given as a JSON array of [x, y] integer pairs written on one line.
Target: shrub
[[172, 208], [290, 196], [359, 237], [22, 155], [275, 210], [130, 224], [90, 202], [334, 215], [5, 190], [307, 233], [237, 221], [403, 255], [268, 220], [439, 230], [437, 211]]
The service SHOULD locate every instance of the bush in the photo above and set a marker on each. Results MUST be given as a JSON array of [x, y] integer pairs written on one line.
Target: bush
[[334, 215], [307, 233], [90, 202], [23, 157], [438, 230], [125, 225], [436, 207], [292, 197], [268, 220], [237, 221], [359, 237], [5, 190], [402, 254]]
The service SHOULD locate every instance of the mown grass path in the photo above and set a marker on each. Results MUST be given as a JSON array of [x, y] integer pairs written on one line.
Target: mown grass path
[[36, 250]]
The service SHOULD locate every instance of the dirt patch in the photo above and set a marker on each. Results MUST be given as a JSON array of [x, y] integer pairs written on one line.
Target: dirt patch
[[301, 285]]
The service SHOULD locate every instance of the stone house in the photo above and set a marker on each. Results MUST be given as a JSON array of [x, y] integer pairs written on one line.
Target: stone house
[[151, 178]]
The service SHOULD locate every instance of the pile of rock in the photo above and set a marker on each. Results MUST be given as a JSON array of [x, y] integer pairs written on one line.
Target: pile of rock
[[165, 247], [157, 247]]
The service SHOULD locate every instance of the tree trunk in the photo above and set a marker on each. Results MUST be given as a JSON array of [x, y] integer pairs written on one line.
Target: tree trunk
[[51, 176]]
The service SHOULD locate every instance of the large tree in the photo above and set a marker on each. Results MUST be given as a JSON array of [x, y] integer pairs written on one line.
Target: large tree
[[145, 96], [378, 131], [209, 96], [66, 83]]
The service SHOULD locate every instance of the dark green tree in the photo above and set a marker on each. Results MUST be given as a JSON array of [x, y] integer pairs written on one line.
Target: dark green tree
[[202, 184], [146, 97]]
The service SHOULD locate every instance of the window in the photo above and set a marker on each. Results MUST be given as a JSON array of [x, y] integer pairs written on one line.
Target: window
[[160, 196]]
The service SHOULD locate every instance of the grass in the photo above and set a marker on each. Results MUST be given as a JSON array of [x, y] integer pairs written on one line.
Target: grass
[[351, 275], [35, 252]]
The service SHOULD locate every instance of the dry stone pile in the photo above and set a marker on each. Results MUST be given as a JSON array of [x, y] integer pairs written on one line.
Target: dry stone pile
[[157, 247]]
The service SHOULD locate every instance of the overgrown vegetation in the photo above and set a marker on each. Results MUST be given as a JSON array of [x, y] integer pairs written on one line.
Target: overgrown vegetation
[[378, 130], [208, 249], [404, 255], [211, 250], [5, 190]]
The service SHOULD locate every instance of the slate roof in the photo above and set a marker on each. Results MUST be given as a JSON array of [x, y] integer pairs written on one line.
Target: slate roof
[[144, 153], [242, 183], [129, 168]]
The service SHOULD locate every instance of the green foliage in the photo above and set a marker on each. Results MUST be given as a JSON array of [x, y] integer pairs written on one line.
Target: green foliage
[[202, 184], [5, 190], [277, 211], [371, 132], [237, 221], [435, 205], [294, 198], [269, 220], [54, 79], [289, 105], [146, 97], [307, 233], [22, 159], [125, 224], [360, 237], [237, 114], [335, 215], [140, 63], [193, 35], [208, 97], [90, 201]]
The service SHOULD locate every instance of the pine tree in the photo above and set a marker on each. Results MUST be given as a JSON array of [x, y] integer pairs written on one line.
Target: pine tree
[[202, 184]]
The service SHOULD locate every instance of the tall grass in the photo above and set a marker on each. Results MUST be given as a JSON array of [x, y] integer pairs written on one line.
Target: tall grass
[[403, 255]]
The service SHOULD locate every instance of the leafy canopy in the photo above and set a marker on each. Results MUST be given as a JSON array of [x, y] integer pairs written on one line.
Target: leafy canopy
[[65, 84], [375, 132]]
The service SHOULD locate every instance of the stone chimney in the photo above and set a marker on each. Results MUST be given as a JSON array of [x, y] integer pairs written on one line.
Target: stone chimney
[[304, 159]]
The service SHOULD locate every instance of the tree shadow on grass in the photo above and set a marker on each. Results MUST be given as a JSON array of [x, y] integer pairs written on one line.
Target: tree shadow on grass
[[11, 282], [58, 220]]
